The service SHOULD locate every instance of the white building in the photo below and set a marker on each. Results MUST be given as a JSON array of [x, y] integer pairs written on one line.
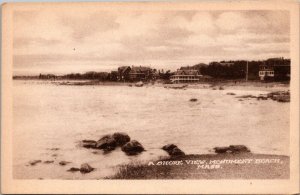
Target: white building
[[265, 71], [185, 76]]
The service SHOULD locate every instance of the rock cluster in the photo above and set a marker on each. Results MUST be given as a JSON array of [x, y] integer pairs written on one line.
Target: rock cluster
[[110, 142], [84, 168], [231, 149], [279, 96]]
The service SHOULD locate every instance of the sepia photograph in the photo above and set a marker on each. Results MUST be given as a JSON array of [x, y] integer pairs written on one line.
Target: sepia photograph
[[145, 92]]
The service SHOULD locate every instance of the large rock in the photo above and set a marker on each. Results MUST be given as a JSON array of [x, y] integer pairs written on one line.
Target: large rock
[[177, 152], [86, 168], [106, 143], [121, 138], [173, 150], [231, 149], [169, 147], [132, 148], [220, 150]]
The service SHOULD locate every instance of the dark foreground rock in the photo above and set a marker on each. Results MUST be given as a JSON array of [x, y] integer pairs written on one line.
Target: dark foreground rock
[[132, 148], [220, 150], [118, 139], [231, 149], [121, 138], [280, 96], [106, 143], [84, 168], [193, 100], [173, 150]]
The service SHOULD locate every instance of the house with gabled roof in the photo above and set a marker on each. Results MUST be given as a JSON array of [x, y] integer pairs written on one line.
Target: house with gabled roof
[[123, 73], [140, 73]]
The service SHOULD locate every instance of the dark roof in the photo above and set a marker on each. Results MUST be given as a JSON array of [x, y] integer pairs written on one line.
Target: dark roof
[[140, 69], [123, 68]]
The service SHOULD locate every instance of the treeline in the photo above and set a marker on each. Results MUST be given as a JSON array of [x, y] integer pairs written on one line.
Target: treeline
[[238, 69], [102, 76], [218, 70]]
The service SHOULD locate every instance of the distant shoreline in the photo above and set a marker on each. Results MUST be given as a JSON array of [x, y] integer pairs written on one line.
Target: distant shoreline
[[227, 84]]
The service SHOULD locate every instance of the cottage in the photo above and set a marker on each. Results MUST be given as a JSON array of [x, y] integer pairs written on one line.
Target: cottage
[[139, 73], [123, 73], [266, 71]]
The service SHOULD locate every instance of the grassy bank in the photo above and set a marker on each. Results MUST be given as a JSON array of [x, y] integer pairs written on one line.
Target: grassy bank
[[210, 166]]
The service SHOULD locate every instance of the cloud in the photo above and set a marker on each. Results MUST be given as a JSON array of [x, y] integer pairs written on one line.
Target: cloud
[[82, 39], [83, 26]]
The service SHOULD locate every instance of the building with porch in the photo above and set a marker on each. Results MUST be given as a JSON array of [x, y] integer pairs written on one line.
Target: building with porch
[[185, 76]]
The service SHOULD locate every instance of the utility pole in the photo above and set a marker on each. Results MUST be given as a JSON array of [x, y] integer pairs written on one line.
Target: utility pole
[[247, 72]]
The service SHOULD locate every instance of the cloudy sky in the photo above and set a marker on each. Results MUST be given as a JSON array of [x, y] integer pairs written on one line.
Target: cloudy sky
[[51, 41]]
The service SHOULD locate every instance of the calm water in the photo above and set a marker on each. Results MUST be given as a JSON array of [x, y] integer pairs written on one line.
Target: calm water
[[50, 116]]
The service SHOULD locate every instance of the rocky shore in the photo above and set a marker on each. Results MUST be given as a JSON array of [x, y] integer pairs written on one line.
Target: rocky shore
[[228, 162]]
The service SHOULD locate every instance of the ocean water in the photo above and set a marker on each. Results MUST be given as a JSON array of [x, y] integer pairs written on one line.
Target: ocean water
[[48, 116]]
